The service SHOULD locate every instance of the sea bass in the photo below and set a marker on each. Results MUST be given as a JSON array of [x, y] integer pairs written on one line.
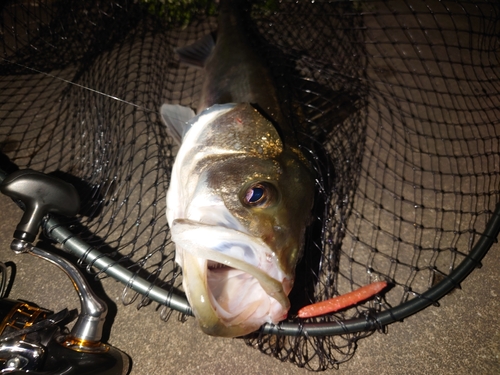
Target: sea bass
[[241, 191]]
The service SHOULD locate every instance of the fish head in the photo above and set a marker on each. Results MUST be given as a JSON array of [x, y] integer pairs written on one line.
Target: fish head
[[238, 205]]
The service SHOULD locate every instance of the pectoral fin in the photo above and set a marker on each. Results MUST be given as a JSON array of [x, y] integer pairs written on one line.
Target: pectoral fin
[[176, 118]]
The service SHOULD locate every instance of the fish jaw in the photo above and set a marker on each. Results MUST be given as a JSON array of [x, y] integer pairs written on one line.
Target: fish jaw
[[232, 280]]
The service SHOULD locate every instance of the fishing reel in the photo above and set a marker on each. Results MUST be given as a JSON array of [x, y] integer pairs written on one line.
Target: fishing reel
[[35, 340]]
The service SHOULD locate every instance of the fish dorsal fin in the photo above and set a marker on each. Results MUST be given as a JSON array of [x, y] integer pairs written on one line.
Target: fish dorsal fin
[[197, 53], [176, 117]]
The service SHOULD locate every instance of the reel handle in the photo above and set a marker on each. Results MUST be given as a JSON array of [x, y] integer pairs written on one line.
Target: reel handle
[[40, 194]]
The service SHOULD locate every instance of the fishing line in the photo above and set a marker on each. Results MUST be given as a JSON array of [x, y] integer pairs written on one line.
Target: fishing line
[[81, 86]]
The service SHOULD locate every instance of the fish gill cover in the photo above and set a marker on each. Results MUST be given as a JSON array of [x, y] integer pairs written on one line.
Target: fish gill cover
[[396, 105]]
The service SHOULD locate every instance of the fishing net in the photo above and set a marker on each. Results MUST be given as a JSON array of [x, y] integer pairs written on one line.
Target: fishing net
[[401, 106]]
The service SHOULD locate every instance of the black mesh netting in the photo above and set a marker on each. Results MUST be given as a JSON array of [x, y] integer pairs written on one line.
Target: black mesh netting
[[402, 107]]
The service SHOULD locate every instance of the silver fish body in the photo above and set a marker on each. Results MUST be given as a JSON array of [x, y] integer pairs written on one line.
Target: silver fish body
[[241, 191]]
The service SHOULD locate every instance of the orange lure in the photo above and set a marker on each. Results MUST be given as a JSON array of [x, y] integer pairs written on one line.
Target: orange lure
[[337, 303]]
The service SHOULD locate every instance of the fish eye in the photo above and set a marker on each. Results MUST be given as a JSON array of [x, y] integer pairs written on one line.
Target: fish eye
[[259, 194]]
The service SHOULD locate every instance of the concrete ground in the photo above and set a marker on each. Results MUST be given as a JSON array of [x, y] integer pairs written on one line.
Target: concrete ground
[[462, 336]]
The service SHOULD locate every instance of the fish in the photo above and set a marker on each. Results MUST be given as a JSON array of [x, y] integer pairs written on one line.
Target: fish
[[241, 190]]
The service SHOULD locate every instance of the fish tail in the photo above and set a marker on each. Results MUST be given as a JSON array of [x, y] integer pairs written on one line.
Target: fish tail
[[232, 12]]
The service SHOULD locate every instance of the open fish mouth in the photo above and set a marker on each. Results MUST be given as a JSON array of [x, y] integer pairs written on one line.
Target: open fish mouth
[[232, 280]]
